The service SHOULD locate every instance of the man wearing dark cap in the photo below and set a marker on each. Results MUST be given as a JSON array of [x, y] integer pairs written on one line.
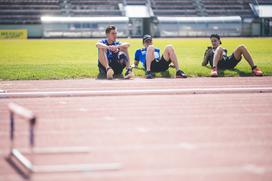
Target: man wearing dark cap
[[217, 57], [153, 62]]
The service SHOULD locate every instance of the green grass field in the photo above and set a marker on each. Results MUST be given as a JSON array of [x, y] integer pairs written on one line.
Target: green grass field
[[69, 59]]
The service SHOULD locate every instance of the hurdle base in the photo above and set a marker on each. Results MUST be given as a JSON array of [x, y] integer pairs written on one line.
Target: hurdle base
[[24, 166]]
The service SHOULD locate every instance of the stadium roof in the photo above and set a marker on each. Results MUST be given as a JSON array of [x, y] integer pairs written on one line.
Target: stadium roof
[[55, 19], [137, 11], [263, 11], [199, 19]]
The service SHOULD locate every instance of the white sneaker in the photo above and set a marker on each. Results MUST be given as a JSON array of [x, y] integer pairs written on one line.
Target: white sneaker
[[110, 73], [129, 74]]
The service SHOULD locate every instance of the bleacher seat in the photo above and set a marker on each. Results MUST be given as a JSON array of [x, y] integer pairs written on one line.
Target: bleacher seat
[[173, 7], [27, 11], [30, 11]]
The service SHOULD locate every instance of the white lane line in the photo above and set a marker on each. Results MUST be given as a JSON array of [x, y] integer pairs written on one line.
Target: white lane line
[[137, 92], [67, 168], [254, 169], [142, 130], [119, 130], [12, 90], [83, 110], [67, 150], [62, 102], [145, 87], [108, 118], [186, 146], [219, 171]]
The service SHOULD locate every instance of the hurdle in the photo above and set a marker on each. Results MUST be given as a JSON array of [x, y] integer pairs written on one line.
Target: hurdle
[[3, 91], [18, 159]]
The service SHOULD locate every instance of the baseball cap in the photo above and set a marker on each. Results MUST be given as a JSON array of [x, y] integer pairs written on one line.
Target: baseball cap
[[147, 37]]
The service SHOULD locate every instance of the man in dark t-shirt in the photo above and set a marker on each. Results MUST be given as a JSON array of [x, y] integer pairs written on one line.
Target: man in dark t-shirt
[[217, 57]]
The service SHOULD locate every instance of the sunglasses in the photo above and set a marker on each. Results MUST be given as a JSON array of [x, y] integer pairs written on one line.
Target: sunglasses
[[148, 41], [214, 40]]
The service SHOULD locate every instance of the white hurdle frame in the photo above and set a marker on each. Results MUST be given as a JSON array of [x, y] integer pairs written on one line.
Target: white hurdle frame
[[25, 166]]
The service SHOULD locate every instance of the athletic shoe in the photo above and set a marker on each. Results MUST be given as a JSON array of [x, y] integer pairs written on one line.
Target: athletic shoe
[[257, 72], [129, 74], [134, 66], [149, 75], [110, 73], [171, 65], [214, 72], [180, 74]]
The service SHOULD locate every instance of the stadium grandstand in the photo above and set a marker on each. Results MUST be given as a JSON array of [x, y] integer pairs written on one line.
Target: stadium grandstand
[[161, 18]]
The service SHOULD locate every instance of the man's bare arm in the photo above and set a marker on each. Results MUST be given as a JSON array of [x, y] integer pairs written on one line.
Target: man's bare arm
[[101, 45], [123, 46]]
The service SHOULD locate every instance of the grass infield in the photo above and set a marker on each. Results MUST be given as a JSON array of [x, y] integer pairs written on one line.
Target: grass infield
[[74, 59]]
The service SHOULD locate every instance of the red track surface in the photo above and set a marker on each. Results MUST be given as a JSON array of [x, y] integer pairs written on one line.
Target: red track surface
[[154, 137]]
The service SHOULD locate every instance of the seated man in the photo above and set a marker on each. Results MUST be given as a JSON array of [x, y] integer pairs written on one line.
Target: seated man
[[151, 60], [217, 57], [113, 55]]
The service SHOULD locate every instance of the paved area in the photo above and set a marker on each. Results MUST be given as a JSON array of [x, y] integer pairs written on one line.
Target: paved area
[[211, 136]]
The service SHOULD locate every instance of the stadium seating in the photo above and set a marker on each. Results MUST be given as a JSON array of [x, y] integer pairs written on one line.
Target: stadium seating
[[174, 7], [265, 2], [135, 2], [95, 8], [27, 11], [227, 8], [30, 11], [201, 8]]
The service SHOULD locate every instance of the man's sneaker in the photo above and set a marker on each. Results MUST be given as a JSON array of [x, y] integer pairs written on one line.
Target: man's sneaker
[[180, 74], [109, 73], [171, 65], [134, 66], [214, 72], [257, 72], [149, 75], [129, 74]]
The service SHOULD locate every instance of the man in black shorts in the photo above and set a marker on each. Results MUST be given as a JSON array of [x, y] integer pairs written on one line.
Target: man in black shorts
[[113, 56], [153, 62], [217, 57]]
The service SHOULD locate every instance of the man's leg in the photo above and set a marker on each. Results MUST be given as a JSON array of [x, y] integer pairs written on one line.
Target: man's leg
[[105, 63], [125, 50], [149, 57], [128, 74], [242, 50], [218, 54], [169, 54], [103, 58]]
